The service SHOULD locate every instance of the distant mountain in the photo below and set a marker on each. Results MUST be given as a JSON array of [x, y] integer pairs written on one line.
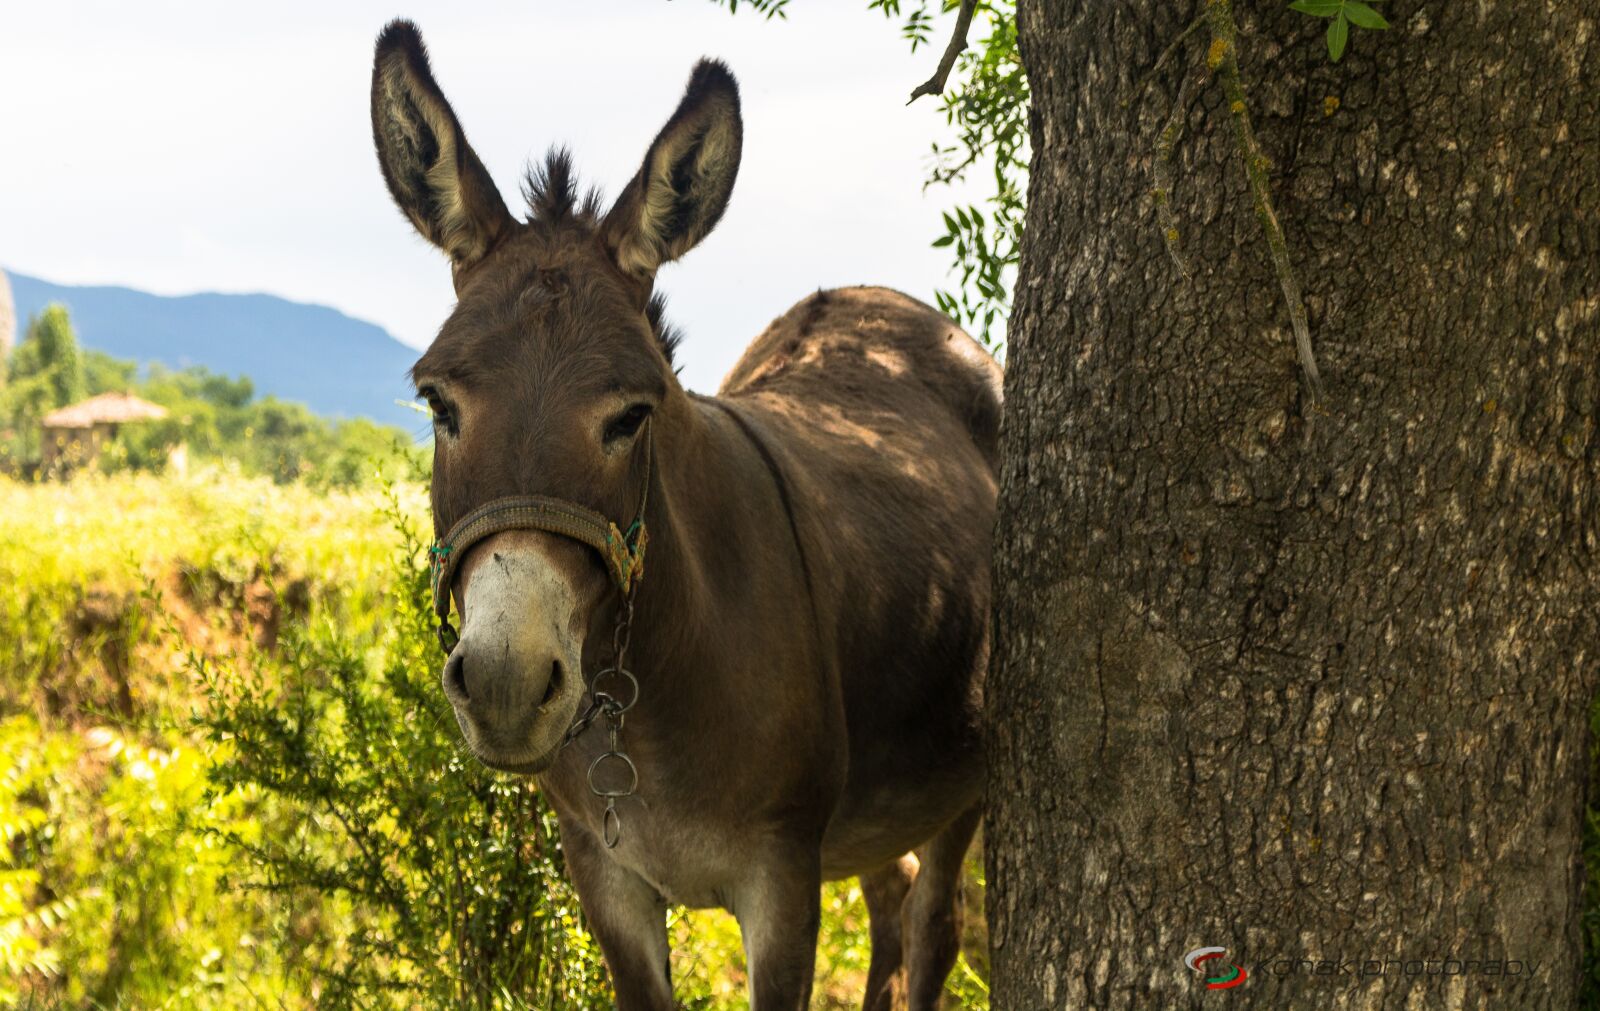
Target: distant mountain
[[309, 353]]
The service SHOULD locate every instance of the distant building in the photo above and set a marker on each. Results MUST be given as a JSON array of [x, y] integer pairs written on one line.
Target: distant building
[[8, 322], [75, 434]]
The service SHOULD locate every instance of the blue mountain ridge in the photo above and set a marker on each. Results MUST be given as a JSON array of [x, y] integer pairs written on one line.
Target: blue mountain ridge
[[336, 365]]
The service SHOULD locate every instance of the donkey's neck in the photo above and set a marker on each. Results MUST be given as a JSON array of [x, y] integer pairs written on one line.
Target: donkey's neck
[[722, 551], [730, 647]]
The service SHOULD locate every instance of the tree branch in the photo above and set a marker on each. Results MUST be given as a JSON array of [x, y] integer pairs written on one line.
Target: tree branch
[[1161, 170], [1223, 60], [958, 42], [1161, 61]]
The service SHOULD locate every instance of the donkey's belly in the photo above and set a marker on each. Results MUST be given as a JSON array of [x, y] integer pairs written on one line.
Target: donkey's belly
[[697, 854], [874, 825]]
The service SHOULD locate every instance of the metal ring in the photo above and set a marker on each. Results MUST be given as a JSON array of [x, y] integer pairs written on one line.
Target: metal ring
[[611, 827], [620, 672], [448, 637], [633, 775]]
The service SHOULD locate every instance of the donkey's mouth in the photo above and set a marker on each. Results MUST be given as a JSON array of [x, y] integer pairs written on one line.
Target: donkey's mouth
[[515, 761], [527, 768], [546, 728]]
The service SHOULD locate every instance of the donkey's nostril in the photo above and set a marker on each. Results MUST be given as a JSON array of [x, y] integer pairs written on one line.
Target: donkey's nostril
[[455, 676], [554, 684]]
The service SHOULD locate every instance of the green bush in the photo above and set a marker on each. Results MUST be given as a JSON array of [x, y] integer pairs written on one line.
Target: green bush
[[117, 885], [113, 890], [449, 876]]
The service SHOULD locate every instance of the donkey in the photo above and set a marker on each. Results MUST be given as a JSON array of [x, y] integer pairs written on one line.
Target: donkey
[[808, 643]]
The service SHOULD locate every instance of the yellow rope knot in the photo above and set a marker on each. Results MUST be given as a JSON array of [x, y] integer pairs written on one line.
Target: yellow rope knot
[[625, 555]]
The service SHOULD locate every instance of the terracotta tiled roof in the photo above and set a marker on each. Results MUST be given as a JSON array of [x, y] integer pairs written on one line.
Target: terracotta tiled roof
[[107, 407]]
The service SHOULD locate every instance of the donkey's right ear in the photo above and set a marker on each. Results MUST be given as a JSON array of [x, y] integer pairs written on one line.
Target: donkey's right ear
[[432, 173]]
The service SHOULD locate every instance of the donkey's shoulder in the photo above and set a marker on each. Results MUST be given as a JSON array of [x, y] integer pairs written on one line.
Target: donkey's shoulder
[[875, 347]]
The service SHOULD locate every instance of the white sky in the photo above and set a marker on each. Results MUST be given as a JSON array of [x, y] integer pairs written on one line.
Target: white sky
[[226, 147]]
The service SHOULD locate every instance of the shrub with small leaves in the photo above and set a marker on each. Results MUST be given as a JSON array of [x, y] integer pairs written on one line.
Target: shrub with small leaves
[[450, 874]]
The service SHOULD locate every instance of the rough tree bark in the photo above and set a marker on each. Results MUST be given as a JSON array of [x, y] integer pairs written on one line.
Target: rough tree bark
[[1304, 681]]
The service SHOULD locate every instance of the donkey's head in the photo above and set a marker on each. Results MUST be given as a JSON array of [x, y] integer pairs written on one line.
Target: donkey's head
[[544, 376]]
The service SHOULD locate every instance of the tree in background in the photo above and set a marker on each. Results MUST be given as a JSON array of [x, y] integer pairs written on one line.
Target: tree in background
[[50, 355], [220, 419], [46, 372], [105, 374]]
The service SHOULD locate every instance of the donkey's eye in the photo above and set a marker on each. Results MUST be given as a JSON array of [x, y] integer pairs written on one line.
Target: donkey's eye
[[442, 415], [627, 423]]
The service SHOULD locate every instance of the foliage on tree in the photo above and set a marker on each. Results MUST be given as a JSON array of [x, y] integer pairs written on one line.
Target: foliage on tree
[[49, 355], [986, 107], [46, 371]]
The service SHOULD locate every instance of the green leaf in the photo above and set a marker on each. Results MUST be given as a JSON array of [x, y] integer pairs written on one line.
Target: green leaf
[[1317, 8], [1360, 14], [943, 240], [1338, 35]]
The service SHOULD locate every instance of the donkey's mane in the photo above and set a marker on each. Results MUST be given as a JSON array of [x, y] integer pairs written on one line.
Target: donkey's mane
[[551, 190], [667, 335]]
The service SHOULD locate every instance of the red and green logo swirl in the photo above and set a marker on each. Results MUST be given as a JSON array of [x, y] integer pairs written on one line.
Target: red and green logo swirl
[[1219, 975]]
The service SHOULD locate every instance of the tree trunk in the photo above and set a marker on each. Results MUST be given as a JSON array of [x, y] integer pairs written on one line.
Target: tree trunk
[[1308, 681]]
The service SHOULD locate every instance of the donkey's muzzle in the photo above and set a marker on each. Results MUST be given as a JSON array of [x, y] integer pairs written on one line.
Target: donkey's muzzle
[[514, 677]]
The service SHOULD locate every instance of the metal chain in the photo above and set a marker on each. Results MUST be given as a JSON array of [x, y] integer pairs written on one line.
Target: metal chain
[[612, 693]]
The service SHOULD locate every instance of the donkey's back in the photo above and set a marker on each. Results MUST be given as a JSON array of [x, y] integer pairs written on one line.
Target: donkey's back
[[871, 352], [883, 417]]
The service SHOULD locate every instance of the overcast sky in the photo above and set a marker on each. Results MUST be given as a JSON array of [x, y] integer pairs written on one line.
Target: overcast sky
[[226, 147]]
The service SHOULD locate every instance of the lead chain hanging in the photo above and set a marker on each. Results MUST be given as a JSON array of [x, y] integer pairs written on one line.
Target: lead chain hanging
[[614, 691]]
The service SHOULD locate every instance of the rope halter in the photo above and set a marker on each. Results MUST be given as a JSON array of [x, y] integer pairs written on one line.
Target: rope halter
[[621, 551]]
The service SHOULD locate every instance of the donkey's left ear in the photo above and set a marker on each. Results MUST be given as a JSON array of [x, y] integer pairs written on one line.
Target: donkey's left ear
[[682, 188]]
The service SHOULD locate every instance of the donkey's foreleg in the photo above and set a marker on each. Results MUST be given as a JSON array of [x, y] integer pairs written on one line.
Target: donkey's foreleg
[[629, 919], [885, 891], [932, 912], [779, 907]]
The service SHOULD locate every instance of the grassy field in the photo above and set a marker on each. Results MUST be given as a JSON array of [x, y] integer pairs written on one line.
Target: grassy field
[[227, 778]]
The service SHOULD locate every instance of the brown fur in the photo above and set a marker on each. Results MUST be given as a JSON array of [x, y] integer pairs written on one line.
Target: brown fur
[[812, 630]]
